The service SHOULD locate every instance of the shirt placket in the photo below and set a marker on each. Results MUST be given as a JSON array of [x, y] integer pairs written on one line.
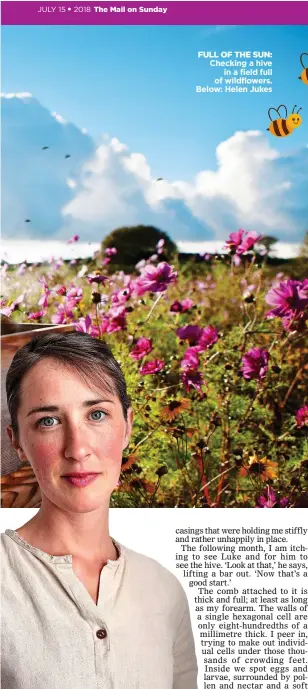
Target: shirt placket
[[98, 616]]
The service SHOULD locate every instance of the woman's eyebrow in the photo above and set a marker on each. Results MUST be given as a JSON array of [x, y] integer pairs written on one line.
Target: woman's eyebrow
[[52, 407]]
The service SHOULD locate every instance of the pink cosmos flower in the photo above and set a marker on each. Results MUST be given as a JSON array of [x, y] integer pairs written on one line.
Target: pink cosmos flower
[[73, 297], [152, 367], [248, 242], [99, 279], [160, 246], [61, 316], [142, 347], [191, 378], [85, 325], [114, 320], [181, 306], [106, 260], [74, 293], [234, 240], [8, 310], [21, 270], [122, 295], [255, 363], [36, 315], [190, 359], [269, 499], [289, 298], [207, 339], [202, 338], [73, 239], [240, 242], [155, 278], [112, 251], [141, 264], [43, 301], [189, 332], [302, 417], [60, 290]]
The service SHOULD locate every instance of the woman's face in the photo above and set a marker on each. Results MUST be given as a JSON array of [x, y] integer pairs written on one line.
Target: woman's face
[[67, 427]]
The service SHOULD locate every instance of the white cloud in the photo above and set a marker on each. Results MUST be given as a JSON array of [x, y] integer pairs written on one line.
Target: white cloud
[[59, 118], [71, 183], [34, 178], [100, 188], [23, 94], [251, 186], [216, 29]]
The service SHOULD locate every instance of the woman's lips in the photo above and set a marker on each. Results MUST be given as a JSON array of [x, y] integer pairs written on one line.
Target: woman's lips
[[81, 480]]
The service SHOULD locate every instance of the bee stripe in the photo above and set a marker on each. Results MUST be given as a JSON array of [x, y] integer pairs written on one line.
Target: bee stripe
[[284, 127], [276, 128], [307, 73]]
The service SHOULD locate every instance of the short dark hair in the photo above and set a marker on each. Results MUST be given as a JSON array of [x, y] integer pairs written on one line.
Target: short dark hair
[[89, 356]]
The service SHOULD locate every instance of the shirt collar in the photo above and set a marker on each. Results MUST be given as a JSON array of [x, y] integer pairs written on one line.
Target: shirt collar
[[61, 558]]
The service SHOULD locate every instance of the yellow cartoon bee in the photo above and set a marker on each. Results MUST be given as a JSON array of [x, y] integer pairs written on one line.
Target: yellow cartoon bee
[[283, 126], [304, 74]]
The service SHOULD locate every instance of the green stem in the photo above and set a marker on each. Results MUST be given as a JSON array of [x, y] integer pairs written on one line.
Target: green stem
[[153, 307], [98, 322]]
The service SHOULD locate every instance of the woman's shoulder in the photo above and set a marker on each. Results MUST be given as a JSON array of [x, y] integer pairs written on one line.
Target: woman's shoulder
[[4, 541], [152, 572], [7, 556]]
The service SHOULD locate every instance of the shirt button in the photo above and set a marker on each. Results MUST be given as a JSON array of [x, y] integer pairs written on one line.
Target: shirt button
[[101, 633]]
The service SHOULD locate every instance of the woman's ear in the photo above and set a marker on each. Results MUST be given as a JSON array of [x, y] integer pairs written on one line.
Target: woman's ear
[[129, 427], [15, 444]]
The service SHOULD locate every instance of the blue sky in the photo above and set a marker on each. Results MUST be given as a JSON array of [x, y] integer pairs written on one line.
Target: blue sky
[[138, 84]]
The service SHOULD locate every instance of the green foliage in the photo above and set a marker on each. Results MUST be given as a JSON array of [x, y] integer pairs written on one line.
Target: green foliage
[[137, 242], [268, 241], [232, 438]]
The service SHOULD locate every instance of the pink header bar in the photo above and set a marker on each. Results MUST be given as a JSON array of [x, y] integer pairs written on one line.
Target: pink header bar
[[150, 13]]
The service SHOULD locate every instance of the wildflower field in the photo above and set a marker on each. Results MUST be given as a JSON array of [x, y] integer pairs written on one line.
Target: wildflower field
[[214, 352]]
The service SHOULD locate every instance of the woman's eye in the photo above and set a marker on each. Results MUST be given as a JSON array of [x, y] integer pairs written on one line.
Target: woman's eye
[[98, 411], [46, 421]]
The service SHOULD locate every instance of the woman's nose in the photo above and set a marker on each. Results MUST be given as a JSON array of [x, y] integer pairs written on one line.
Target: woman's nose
[[76, 445]]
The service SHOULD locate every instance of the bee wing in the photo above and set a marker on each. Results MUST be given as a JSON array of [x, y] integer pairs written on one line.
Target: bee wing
[[301, 59], [282, 106], [275, 110]]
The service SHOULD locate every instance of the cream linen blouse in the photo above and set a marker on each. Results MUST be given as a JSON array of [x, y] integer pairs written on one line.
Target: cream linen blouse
[[54, 636]]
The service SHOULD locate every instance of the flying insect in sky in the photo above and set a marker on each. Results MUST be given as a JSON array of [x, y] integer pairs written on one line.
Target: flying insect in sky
[[304, 74], [283, 126]]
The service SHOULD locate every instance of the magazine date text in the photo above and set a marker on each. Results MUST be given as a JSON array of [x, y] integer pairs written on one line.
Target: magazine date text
[[100, 8]]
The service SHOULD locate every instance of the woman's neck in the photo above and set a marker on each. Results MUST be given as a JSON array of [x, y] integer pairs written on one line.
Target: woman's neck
[[85, 536]]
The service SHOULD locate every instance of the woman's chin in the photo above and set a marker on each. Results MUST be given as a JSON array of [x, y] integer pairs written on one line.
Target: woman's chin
[[78, 499]]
